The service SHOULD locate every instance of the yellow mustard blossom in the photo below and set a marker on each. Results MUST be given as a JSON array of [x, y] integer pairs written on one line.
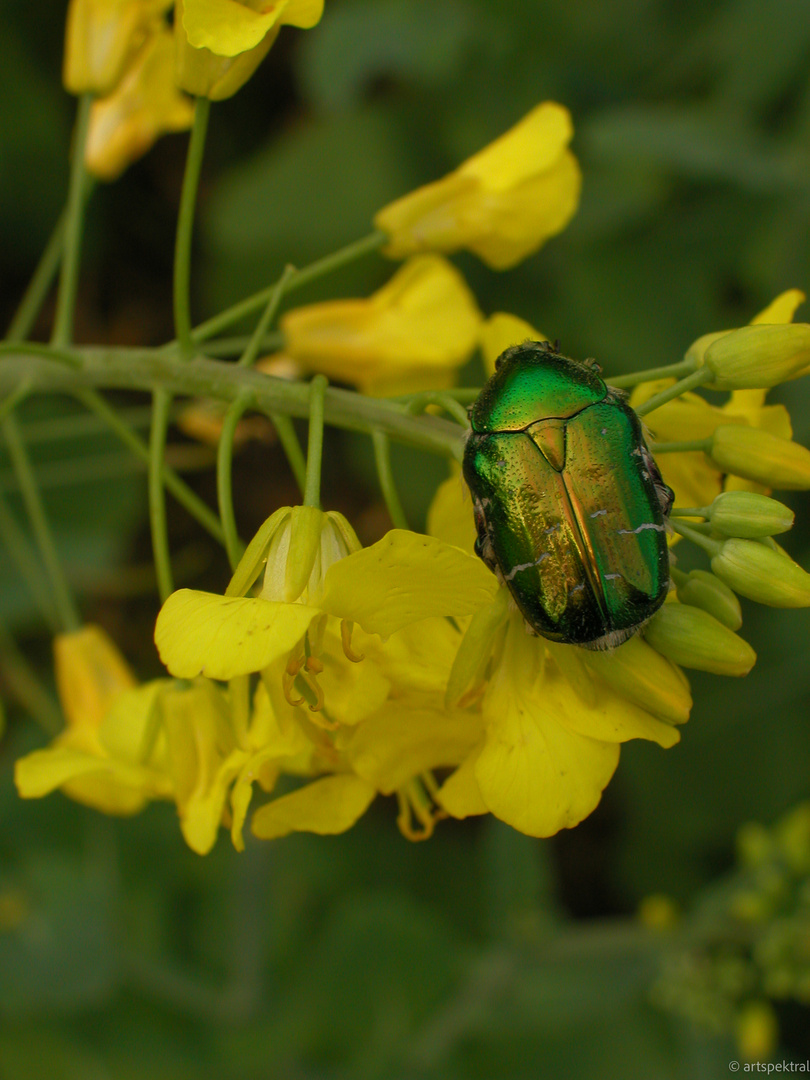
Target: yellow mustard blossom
[[502, 204], [220, 43], [145, 105], [412, 334], [101, 39], [106, 755]]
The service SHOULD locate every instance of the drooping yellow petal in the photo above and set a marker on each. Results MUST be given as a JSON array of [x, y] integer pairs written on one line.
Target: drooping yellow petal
[[220, 637], [460, 794], [144, 106], [102, 37], [409, 736], [113, 787], [229, 27], [90, 673], [327, 806], [403, 578], [782, 309], [413, 333], [533, 772]]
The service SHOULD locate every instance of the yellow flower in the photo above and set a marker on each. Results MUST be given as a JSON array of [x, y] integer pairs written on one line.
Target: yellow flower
[[220, 43], [101, 39], [107, 756], [503, 203], [144, 105], [501, 331], [412, 334]]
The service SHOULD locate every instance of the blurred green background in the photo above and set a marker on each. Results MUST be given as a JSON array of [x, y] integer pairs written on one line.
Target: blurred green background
[[482, 953]]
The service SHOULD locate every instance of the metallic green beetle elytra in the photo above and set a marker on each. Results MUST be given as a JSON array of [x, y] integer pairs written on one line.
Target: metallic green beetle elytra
[[569, 505]]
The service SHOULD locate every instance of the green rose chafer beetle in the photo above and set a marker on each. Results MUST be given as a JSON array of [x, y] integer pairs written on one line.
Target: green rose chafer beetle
[[570, 507]]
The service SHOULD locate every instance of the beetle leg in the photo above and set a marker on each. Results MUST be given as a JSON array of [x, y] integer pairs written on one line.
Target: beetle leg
[[666, 496], [483, 544]]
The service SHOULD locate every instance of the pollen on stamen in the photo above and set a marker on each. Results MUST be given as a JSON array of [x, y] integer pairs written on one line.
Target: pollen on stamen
[[346, 627]]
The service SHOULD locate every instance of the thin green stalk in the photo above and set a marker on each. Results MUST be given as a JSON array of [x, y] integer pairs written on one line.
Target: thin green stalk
[[157, 500], [312, 487], [382, 457], [297, 279], [14, 398], [74, 226], [689, 533], [697, 378], [235, 346], [39, 285], [233, 544], [285, 429], [689, 511], [23, 683], [185, 227], [668, 371], [181, 491], [66, 608], [686, 446], [419, 402], [80, 425], [28, 566], [248, 357]]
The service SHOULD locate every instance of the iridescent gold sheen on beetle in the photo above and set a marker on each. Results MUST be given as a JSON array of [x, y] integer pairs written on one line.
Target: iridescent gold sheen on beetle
[[569, 505]]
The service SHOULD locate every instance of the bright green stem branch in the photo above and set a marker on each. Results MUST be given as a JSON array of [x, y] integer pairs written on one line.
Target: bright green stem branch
[[74, 226], [712, 546], [157, 496], [233, 544], [669, 371], [235, 346], [285, 429], [10, 403], [185, 227], [21, 680], [312, 487], [67, 611], [382, 456], [681, 447], [689, 511], [419, 402], [697, 378], [248, 357], [181, 491], [29, 567], [149, 369], [296, 279]]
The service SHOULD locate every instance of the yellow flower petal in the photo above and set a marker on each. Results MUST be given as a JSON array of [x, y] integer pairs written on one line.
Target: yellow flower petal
[[460, 795], [450, 516], [327, 806], [409, 736], [413, 333], [220, 637], [501, 331], [104, 784], [403, 578], [228, 27], [90, 673], [782, 309]]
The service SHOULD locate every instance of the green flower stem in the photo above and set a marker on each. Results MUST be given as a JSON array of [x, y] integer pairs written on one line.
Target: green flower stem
[[697, 537], [296, 280], [181, 491], [689, 511], [74, 226], [66, 608], [669, 371], [382, 457], [81, 424], [233, 545], [248, 357], [419, 402], [22, 682], [161, 401], [150, 369], [285, 429], [8, 406], [28, 566], [235, 346], [681, 447], [312, 487], [697, 378], [185, 226]]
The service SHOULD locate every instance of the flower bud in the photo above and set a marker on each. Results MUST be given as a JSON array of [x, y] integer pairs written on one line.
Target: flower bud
[[756, 357], [693, 638], [640, 673], [697, 350], [102, 37], [759, 456], [749, 515], [703, 590], [763, 574]]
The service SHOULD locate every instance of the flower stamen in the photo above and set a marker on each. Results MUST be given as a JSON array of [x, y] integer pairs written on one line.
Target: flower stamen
[[415, 802], [346, 627]]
